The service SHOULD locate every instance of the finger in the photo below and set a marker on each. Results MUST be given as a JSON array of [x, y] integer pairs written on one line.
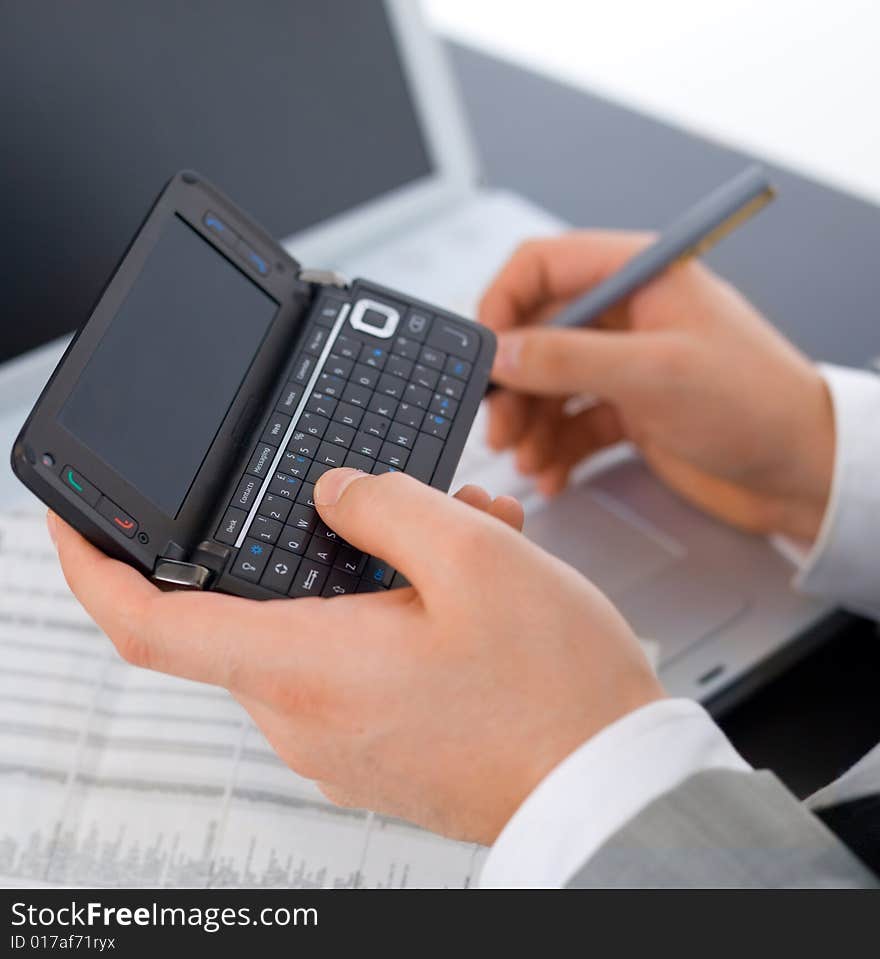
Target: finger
[[505, 508], [538, 446], [413, 527], [510, 415], [205, 637], [509, 511], [557, 268], [474, 496], [568, 439], [560, 362]]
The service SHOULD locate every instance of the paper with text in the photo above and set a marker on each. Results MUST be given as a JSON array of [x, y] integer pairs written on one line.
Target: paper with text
[[115, 776]]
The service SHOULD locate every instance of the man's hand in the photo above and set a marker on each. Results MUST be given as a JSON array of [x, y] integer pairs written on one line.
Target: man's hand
[[444, 703], [723, 408]]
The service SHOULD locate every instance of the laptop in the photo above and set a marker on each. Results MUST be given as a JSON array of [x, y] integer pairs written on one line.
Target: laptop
[[337, 126]]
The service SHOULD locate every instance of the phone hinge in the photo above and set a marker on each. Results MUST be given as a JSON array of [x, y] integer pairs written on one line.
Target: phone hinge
[[183, 575], [324, 278]]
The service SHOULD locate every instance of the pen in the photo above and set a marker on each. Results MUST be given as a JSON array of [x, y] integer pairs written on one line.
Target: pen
[[710, 219]]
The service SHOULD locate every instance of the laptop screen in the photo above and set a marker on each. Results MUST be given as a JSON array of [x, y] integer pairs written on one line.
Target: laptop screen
[[298, 110]]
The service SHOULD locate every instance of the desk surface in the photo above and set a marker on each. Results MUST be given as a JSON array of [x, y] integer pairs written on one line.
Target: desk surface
[[809, 262]]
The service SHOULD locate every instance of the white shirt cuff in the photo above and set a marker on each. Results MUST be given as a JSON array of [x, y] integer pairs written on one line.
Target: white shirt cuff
[[596, 790], [844, 562]]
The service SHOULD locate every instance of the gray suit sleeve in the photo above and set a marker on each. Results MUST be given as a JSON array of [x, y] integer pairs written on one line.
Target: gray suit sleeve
[[720, 829]]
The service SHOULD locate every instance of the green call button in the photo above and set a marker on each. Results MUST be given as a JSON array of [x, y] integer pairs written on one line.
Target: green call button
[[80, 485]]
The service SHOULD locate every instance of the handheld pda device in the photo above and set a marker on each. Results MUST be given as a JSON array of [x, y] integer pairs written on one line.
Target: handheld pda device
[[214, 382]]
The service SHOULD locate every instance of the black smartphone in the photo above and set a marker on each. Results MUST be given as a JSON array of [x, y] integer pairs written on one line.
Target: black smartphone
[[214, 382]]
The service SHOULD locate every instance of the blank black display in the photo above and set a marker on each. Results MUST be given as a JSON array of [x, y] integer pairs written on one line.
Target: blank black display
[[297, 109], [154, 393]]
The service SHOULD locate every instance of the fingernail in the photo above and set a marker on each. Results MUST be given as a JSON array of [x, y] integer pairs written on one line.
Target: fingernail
[[50, 525], [509, 349], [333, 484]]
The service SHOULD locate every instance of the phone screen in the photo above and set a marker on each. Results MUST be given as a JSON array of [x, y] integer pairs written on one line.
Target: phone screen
[[159, 384]]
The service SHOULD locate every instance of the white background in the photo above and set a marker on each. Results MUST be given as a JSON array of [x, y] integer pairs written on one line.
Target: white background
[[796, 81]]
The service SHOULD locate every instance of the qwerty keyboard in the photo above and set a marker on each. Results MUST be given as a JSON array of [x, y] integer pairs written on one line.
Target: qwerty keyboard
[[377, 401]]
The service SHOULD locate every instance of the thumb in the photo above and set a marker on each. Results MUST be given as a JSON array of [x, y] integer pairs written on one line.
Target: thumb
[[393, 516], [561, 362]]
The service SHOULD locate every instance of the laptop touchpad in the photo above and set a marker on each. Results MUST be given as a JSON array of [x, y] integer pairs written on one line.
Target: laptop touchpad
[[604, 545]]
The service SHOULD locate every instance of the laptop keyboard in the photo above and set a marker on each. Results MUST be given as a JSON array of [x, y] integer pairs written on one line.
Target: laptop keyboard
[[376, 404]]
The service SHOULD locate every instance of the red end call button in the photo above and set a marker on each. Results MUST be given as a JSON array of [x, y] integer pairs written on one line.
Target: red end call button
[[118, 519]]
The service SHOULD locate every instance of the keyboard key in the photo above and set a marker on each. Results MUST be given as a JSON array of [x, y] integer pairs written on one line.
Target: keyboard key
[[398, 366], [338, 366], [315, 340], [366, 444], [417, 396], [381, 468], [365, 586], [328, 312], [449, 386], [390, 386], [424, 457], [457, 367], [393, 455], [303, 518], [261, 460], [455, 339], [294, 540], [228, 530], [265, 529], [303, 444], [246, 492], [409, 415], [378, 571], [290, 397], [365, 376], [360, 462], [406, 348], [323, 550], [316, 471], [375, 425], [435, 425], [309, 579], [330, 385], [350, 560], [444, 406], [330, 454], [431, 357], [306, 495], [402, 435], [323, 532], [339, 435], [340, 584], [284, 485], [356, 395], [423, 376], [416, 324], [303, 367], [373, 356], [276, 428], [295, 463], [251, 560], [275, 507], [348, 347], [313, 424], [322, 405], [383, 406], [348, 415], [280, 570]]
